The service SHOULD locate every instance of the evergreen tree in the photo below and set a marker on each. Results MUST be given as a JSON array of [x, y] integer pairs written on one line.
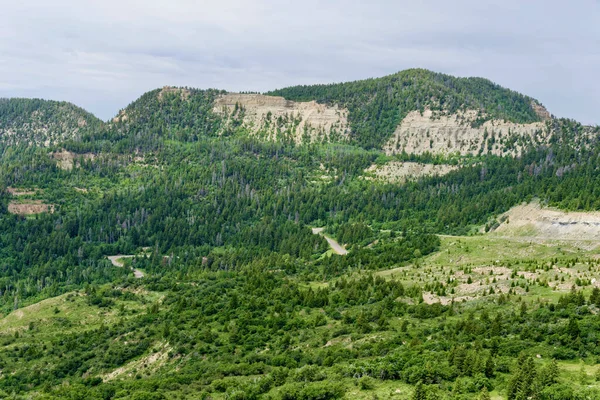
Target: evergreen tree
[[549, 373], [484, 395], [522, 384], [490, 367], [420, 392]]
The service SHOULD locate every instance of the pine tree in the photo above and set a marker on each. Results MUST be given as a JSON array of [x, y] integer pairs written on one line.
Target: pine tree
[[549, 374], [420, 392], [522, 384], [573, 328], [458, 387], [490, 367], [484, 395], [595, 297], [583, 376]]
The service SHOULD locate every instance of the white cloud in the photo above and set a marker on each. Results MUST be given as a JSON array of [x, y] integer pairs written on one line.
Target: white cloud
[[103, 54]]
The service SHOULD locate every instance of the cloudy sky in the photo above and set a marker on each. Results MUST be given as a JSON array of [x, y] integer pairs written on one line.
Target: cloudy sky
[[103, 54]]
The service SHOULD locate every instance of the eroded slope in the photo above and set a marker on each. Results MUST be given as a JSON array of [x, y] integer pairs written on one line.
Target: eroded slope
[[438, 133], [533, 220], [273, 117]]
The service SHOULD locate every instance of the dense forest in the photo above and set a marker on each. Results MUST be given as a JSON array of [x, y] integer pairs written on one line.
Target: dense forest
[[238, 297]]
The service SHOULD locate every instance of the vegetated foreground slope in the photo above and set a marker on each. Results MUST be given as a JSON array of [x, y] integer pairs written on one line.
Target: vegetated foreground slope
[[239, 299]]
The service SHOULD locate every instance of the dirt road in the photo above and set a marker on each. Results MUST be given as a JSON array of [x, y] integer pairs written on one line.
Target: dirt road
[[116, 261], [335, 246]]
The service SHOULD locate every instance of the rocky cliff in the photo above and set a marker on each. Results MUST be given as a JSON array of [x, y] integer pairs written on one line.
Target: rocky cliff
[[438, 133], [274, 117]]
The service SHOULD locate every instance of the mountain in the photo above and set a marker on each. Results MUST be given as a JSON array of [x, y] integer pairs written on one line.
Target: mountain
[[413, 111], [415, 236], [373, 113], [43, 122], [377, 106]]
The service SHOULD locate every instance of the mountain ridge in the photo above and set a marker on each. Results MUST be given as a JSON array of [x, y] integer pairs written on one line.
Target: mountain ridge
[[480, 116]]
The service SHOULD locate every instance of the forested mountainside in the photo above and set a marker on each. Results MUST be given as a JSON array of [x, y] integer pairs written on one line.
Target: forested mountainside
[[43, 122], [376, 106], [192, 248]]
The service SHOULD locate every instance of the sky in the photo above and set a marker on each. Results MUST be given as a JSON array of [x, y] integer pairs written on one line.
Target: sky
[[103, 54]]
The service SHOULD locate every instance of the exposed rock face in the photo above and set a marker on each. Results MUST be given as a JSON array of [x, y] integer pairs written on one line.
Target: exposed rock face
[[276, 118], [533, 220], [448, 134], [398, 172], [184, 93], [541, 111], [121, 117], [66, 159]]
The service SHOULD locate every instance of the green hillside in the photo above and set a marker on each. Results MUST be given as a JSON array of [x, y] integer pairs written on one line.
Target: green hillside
[[176, 260]]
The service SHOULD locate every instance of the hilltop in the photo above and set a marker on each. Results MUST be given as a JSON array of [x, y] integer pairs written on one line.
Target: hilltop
[[377, 106], [43, 122]]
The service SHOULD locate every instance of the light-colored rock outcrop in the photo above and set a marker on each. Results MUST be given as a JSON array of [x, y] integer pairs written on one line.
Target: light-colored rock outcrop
[[66, 159], [438, 133], [398, 172], [533, 220], [276, 118], [541, 111], [166, 90]]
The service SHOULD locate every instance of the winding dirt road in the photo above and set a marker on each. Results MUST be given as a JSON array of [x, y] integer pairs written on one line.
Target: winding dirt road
[[116, 261], [335, 246]]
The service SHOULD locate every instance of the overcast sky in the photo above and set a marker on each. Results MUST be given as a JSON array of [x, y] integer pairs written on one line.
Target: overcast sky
[[104, 54]]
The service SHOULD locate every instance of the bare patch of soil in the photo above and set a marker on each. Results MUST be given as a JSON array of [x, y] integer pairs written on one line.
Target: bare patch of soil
[[533, 220], [502, 271], [29, 207], [21, 192], [430, 298], [146, 364]]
